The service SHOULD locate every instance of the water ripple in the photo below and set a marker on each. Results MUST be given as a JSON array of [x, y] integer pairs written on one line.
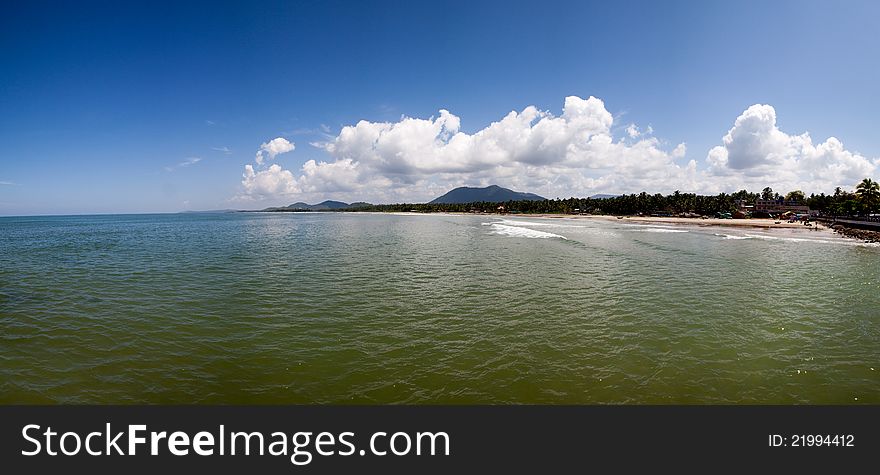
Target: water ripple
[[344, 308]]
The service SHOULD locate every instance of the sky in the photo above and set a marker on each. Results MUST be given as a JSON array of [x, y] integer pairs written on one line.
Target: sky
[[165, 107]]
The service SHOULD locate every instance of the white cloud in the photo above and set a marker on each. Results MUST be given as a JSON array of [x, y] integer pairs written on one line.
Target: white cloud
[[413, 149], [680, 150], [414, 159], [755, 153], [225, 150], [273, 148], [188, 162], [633, 131], [272, 181], [572, 154]]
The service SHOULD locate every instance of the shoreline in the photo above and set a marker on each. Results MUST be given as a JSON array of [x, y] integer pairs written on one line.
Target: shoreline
[[838, 232], [757, 223]]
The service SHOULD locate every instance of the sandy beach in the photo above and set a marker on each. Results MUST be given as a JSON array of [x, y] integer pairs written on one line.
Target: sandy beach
[[739, 223], [736, 223]]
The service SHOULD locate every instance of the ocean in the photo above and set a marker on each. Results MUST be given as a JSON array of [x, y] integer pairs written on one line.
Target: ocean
[[349, 308]]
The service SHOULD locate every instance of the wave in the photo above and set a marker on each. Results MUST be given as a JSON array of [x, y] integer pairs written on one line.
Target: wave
[[818, 241], [788, 239], [653, 228], [845, 242], [511, 222], [515, 231], [641, 225], [731, 236], [661, 230], [517, 222]]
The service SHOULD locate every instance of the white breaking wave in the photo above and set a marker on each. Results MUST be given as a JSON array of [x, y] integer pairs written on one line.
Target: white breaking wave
[[792, 239], [515, 231], [653, 228], [640, 225], [557, 224], [731, 236], [511, 222], [661, 230], [845, 242], [789, 239]]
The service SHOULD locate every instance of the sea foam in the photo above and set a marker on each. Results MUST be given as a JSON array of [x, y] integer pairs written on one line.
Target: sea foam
[[661, 230], [764, 237], [846, 242], [556, 224], [516, 231], [731, 236]]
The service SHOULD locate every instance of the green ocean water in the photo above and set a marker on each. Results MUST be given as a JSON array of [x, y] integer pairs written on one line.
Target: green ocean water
[[368, 308]]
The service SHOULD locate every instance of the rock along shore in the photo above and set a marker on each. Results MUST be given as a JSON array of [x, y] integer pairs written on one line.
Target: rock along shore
[[855, 233]]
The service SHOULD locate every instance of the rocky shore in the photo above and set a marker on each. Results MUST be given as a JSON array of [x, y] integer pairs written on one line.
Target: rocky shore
[[854, 233]]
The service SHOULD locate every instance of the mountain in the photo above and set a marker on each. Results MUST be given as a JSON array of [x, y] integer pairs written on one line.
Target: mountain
[[492, 194], [327, 205], [602, 196]]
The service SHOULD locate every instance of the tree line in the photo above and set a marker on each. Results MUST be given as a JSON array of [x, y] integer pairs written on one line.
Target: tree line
[[864, 200]]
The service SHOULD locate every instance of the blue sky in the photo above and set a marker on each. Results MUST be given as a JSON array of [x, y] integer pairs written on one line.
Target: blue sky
[[153, 107]]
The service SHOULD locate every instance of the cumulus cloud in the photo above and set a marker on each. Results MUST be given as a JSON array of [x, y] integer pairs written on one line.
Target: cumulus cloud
[[532, 149], [271, 181], [571, 154], [273, 148], [680, 150], [756, 153]]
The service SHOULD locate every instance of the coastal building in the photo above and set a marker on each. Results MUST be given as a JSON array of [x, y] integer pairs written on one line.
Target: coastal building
[[781, 206], [745, 206]]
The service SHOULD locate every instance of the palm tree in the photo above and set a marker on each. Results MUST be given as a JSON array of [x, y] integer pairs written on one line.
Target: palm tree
[[868, 192], [767, 193]]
